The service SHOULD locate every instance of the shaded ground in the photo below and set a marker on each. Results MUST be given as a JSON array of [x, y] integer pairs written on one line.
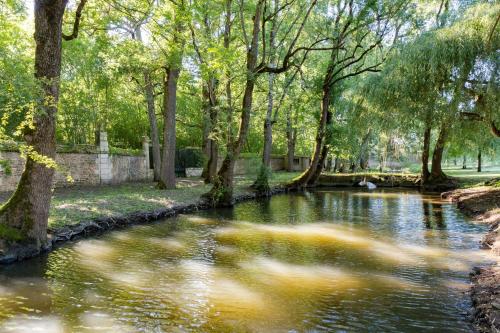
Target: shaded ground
[[72, 205], [483, 204], [470, 177]]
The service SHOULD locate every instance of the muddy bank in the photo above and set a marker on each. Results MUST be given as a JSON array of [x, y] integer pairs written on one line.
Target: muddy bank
[[381, 180], [97, 226], [483, 204], [386, 180]]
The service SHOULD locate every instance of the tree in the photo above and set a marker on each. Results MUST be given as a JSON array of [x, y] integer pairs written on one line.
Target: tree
[[428, 81], [222, 190], [178, 18], [23, 219], [358, 30]]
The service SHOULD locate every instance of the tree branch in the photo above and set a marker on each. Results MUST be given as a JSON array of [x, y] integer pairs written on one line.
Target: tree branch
[[76, 23]]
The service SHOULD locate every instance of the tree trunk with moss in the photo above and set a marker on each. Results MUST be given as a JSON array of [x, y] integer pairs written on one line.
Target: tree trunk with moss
[[23, 219]]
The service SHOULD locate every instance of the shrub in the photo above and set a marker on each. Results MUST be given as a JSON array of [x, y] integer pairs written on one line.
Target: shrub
[[189, 157]]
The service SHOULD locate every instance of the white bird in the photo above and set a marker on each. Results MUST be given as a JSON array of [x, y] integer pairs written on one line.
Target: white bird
[[369, 185]]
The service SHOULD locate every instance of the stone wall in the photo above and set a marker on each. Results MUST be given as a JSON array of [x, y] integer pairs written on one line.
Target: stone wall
[[129, 169], [84, 169], [251, 165], [105, 168]]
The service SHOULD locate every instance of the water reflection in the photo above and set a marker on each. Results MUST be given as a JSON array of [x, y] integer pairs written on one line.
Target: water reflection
[[320, 261]]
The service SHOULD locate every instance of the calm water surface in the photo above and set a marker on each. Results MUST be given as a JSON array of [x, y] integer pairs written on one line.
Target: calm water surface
[[325, 261]]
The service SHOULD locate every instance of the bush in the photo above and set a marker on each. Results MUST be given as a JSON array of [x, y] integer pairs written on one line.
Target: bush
[[5, 166], [9, 146], [189, 157], [125, 151]]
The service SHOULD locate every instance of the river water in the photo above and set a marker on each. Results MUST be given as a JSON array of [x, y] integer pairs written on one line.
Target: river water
[[323, 261]]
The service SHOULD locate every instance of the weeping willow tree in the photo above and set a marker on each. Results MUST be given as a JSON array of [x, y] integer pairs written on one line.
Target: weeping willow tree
[[427, 84]]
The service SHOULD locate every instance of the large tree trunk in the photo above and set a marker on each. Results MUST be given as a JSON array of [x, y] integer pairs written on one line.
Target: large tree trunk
[[291, 134], [23, 219], [167, 175], [321, 164], [464, 163], [437, 173], [261, 184], [221, 193], [425, 154], [153, 125]]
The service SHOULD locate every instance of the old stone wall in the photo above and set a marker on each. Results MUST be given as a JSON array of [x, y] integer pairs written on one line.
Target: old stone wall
[[83, 169], [251, 165], [129, 169]]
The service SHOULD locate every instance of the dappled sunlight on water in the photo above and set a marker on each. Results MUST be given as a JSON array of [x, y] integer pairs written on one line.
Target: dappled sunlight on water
[[336, 260]]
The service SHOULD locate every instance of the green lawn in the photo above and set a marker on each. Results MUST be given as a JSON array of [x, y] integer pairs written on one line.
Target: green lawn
[[470, 177], [72, 205]]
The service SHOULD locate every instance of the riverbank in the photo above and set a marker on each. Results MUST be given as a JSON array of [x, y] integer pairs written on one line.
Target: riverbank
[[78, 212], [379, 179], [483, 205]]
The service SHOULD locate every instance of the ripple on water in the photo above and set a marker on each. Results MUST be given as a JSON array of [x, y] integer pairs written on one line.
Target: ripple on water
[[323, 261]]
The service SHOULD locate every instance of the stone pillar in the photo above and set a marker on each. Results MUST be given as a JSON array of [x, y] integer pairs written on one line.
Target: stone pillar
[[148, 173], [145, 149], [104, 161]]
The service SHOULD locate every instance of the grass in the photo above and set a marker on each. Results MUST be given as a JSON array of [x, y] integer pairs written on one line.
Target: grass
[[470, 177], [72, 205]]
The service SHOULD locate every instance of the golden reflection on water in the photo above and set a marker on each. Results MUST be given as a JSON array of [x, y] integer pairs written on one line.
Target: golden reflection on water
[[329, 261]]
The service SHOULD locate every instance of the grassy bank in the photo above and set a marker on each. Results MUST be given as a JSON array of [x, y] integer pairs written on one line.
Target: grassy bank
[[470, 177], [75, 204]]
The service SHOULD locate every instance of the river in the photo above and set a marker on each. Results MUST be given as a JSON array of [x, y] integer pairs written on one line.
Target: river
[[323, 261]]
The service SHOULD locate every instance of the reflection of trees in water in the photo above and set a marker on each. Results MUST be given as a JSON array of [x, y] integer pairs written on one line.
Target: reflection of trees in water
[[433, 215]]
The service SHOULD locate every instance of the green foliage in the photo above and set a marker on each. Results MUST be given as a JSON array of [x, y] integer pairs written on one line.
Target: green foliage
[[125, 151], [189, 157], [9, 145], [102, 78], [5, 166], [262, 182]]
